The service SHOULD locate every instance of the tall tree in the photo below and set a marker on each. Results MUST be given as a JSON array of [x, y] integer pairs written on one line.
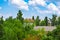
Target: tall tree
[[1, 28], [53, 21], [46, 21], [33, 17], [9, 19], [19, 16], [58, 20], [1, 20], [37, 21]]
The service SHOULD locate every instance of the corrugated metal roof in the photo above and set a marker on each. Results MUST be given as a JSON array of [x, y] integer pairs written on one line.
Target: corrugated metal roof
[[46, 28]]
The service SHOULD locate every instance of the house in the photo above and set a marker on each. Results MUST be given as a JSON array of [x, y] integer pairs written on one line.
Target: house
[[29, 20]]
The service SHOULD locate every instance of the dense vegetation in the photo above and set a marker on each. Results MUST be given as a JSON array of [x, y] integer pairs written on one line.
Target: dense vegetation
[[20, 29]]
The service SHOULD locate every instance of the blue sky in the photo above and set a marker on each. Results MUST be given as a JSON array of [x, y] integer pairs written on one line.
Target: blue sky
[[30, 8]]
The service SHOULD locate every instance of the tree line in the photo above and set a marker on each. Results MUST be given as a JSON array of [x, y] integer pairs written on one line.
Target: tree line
[[55, 20], [17, 29]]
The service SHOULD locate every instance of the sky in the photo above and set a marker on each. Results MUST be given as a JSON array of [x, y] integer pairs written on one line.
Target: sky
[[30, 8]]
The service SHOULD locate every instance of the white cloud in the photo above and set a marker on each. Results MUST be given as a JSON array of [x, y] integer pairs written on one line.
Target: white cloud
[[43, 11], [20, 4], [41, 2], [32, 2], [49, 10], [53, 8], [0, 8], [37, 2], [59, 7]]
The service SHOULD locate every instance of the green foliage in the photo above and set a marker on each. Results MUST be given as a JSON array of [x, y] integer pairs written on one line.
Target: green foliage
[[56, 33], [17, 29], [1, 20], [58, 21], [9, 34], [53, 20], [42, 23], [33, 17], [37, 21], [1, 32], [46, 21], [19, 16], [1, 28]]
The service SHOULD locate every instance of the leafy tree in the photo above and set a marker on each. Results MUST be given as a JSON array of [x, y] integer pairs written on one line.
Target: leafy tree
[[58, 21], [53, 21], [9, 34], [42, 23], [19, 16], [56, 33], [1, 28], [9, 19], [14, 29], [37, 21], [1, 20], [33, 17], [1, 32], [46, 21]]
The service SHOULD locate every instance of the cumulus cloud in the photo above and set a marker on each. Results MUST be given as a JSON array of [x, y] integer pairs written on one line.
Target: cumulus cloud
[[43, 11], [53, 8], [32, 2], [20, 4], [37, 2], [52, 0]]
